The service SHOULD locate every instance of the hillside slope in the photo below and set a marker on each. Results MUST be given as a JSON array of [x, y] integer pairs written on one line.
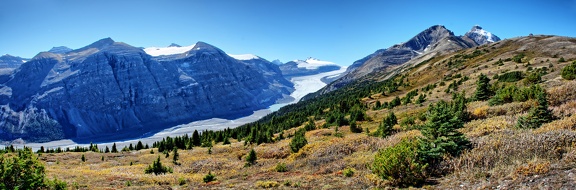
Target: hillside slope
[[500, 155]]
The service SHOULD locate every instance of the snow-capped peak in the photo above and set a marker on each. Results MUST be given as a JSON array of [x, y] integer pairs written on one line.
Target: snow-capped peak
[[171, 50], [244, 56], [312, 63], [481, 33]]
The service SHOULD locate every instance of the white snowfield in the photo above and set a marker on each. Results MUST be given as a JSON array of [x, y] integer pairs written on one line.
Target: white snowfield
[[244, 56], [157, 51], [303, 86], [313, 63]]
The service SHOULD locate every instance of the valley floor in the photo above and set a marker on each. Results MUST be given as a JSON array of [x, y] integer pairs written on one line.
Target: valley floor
[[303, 86]]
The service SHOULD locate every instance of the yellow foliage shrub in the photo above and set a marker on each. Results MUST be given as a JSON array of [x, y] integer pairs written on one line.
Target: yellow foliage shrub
[[533, 168], [267, 184]]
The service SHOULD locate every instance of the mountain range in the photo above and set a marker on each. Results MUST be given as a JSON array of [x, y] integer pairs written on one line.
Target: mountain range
[[111, 87], [428, 43]]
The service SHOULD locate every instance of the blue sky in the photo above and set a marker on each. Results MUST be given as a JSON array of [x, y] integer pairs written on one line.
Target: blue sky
[[334, 30]]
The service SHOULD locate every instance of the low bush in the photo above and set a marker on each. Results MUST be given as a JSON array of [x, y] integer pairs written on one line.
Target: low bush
[[569, 71], [400, 164]]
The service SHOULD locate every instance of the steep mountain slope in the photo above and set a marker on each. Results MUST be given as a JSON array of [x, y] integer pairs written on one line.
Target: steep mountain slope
[[428, 43], [111, 87]]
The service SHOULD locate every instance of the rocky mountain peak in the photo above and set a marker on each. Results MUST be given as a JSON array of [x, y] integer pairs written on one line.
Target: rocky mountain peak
[[100, 44], [427, 37], [481, 36]]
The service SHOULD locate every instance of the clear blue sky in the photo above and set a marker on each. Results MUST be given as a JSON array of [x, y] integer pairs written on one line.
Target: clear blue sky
[[334, 30]]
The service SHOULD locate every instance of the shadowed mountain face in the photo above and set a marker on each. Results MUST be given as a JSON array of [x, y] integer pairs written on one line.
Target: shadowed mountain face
[[434, 40], [8, 61], [109, 87]]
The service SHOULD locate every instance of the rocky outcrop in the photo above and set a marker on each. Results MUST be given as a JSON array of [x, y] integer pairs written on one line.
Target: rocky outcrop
[[109, 87]]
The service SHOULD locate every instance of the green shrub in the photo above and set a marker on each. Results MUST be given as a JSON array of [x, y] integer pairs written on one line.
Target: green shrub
[[251, 158], [281, 167], [348, 172], [209, 177], [569, 71], [298, 141], [400, 164], [511, 76], [533, 78], [181, 181]]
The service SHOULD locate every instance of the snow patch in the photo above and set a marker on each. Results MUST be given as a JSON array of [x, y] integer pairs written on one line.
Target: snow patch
[[157, 51], [244, 56]]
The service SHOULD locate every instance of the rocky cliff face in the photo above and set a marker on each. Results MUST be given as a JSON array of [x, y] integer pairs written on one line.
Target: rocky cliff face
[[110, 87], [434, 40]]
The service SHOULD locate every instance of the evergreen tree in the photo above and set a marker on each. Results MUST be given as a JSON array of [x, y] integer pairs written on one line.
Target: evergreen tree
[[298, 141], [385, 128], [482, 88], [196, 141], [107, 150], [537, 115], [157, 168], [251, 158], [24, 171], [226, 140], [131, 147], [83, 158], [139, 145], [310, 125], [355, 128], [175, 155], [441, 135], [114, 150]]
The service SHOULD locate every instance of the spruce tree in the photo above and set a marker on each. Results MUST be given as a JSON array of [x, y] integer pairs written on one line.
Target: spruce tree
[[251, 158], [107, 150], [114, 149], [537, 115], [196, 141], [298, 141], [441, 135], [482, 88], [385, 128], [139, 145], [83, 158], [175, 155]]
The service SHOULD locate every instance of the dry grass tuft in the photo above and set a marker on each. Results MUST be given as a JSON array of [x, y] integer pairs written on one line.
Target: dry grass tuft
[[562, 94], [568, 123], [498, 155]]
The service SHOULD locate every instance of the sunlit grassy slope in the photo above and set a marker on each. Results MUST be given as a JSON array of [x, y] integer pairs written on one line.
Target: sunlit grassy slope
[[502, 155]]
